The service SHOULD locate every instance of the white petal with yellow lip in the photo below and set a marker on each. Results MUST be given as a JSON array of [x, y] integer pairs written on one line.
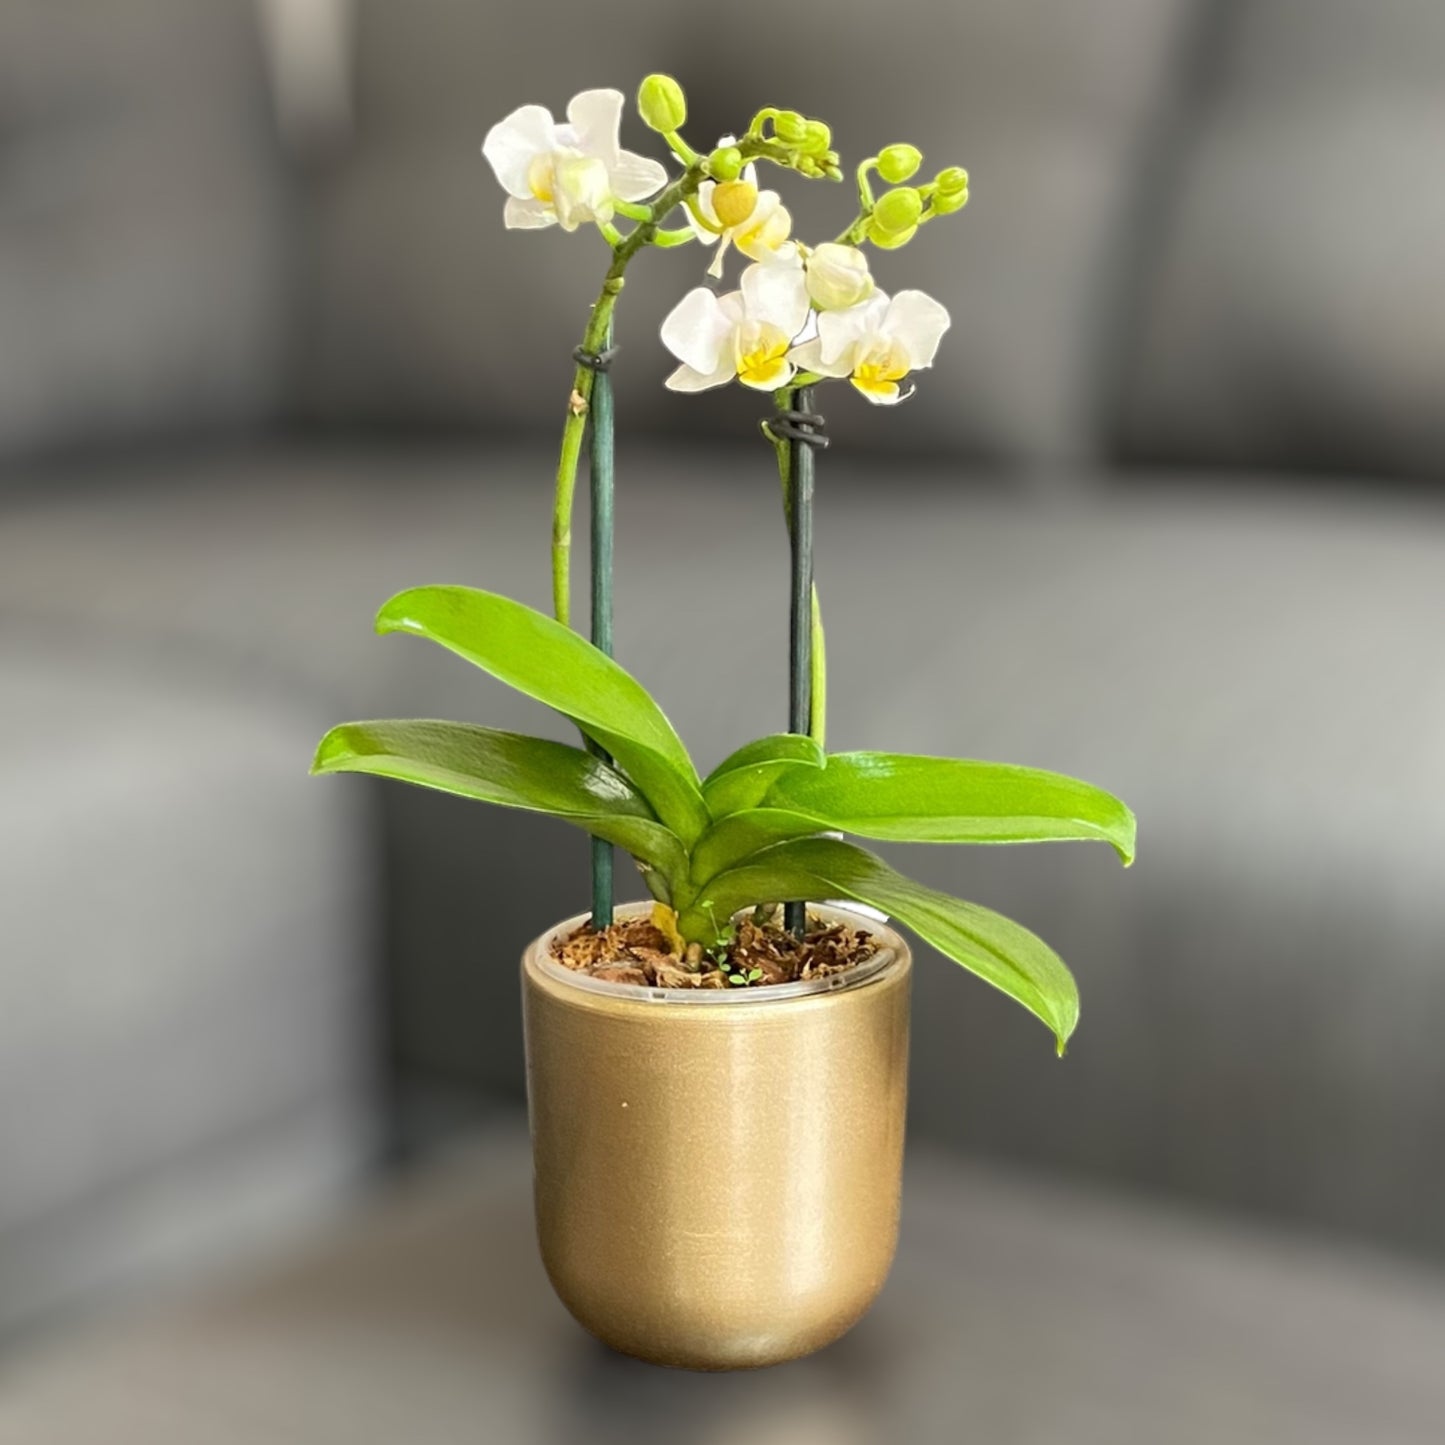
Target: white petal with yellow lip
[[747, 334], [877, 344]]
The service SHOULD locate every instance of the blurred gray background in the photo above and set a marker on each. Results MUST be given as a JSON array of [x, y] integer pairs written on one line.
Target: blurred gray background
[[1167, 514]]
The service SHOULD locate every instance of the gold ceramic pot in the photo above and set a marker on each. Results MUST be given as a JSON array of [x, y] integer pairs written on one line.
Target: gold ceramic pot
[[717, 1174]]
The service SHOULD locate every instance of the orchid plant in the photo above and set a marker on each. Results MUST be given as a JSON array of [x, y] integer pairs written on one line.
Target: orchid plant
[[761, 828]]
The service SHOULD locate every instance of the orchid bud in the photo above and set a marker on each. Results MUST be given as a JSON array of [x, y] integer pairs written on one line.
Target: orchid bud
[[945, 204], [897, 164], [661, 104], [898, 210], [838, 277], [790, 127], [890, 240], [817, 137], [725, 163], [953, 181], [734, 201]]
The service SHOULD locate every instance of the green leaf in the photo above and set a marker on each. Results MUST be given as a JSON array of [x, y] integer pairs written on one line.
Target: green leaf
[[948, 800], [738, 836], [539, 657], [998, 950], [818, 680], [741, 780], [510, 770]]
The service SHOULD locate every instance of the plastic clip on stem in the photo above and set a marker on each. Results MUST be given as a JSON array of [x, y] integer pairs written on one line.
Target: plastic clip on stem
[[802, 428], [600, 476]]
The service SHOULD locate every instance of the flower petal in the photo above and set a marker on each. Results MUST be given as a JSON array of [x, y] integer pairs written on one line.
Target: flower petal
[[528, 215], [596, 116], [635, 177], [811, 356], [716, 269], [780, 373], [777, 294], [733, 308], [512, 144], [582, 191], [808, 356], [706, 218], [880, 393], [840, 332], [696, 329], [708, 238], [918, 321], [686, 379]]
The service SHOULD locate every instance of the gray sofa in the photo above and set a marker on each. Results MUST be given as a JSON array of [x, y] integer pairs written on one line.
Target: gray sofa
[[1161, 517]]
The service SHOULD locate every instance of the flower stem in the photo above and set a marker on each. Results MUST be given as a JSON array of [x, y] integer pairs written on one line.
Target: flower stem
[[583, 381], [600, 472]]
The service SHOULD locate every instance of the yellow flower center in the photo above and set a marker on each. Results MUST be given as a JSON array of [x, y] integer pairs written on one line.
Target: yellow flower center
[[734, 201], [761, 350], [879, 370], [542, 178]]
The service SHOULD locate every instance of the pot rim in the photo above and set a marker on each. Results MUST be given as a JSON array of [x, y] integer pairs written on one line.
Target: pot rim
[[892, 952]]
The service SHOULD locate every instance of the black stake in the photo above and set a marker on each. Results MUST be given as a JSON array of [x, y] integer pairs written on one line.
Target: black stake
[[799, 427], [600, 466]]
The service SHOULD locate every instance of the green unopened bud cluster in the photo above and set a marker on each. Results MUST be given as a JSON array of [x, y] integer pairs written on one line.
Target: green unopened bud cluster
[[800, 143], [790, 139], [892, 219], [950, 191]]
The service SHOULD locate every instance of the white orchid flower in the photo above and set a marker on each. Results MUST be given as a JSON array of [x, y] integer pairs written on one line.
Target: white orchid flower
[[746, 334], [737, 213], [568, 174], [876, 344]]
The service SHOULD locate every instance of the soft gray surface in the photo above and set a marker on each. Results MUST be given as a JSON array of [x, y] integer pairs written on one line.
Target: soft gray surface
[[1261, 994], [185, 1041], [1296, 314], [145, 246], [1051, 104], [1016, 1313]]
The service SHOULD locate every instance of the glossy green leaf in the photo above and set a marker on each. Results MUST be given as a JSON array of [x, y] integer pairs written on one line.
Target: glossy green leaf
[[733, 839], [913, 799], [741, 779], [998, 950], [818, 680], [510, 770], [539, 657]]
